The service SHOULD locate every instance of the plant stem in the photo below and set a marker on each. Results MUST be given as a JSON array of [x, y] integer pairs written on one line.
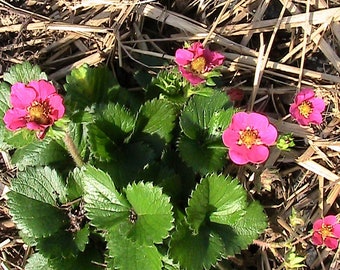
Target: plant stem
[[72, 149]]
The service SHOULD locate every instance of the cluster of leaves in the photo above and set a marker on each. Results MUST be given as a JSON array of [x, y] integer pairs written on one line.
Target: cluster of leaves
[[151, 195]]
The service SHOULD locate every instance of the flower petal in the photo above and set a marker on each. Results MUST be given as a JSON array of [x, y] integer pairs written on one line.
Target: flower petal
[[318, 224], [257, 121], [237, 155], [304, 94], [192, 78], [34, 126], [239, 121], [197, 49], [330, 220], [315, 118], [15, 119], [336, 230], [22, 95], [213, 59], [230, 137], [332, 243], [43, 88], [183, 57], [269, 135], [318, 104], [258, 154], [56, 102], [317, 239]]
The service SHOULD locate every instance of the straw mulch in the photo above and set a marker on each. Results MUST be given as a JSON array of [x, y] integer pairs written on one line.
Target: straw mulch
[[272, 49]]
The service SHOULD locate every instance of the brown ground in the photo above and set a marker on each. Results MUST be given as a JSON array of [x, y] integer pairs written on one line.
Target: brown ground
[[271, 51]]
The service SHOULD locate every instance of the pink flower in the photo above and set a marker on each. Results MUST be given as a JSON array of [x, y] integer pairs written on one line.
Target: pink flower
[[35, 106], [307, 108], [326, 231], [248, 138], [195, 62]]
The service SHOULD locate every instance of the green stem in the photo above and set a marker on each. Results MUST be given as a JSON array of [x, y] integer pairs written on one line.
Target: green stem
[[72, 149]]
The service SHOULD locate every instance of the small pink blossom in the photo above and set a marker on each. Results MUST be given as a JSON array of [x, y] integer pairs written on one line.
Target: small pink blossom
[[195, 62], [307, 108], [35, 106], [248, 137], [326, 231]]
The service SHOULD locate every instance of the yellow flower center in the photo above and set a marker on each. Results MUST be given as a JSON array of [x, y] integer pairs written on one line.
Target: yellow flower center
[[305, 108], [326, 231], [198, 65], [39, 113], [249, 137]]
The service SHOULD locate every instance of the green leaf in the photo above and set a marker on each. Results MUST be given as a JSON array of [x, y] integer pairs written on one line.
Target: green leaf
[[203, 157], [90, 259], [128, 160], [215, 199], [38, 262], [33, 202], [115, 121], [195, 251], [24, 73], [152, 211], [196, 116], [39, 153], [243, 227], [104, 205], [127, 255], [59, 245], [101, 145], [5, 91], [81, 237], [156, 120], [133, 224], [144, 215], [86, 86], [221, 203], [20, 138]]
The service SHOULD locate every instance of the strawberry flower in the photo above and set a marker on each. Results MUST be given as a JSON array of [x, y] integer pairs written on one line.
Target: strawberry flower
[[195, 62], [35, 106], [326, 231], [248, 137], [307, 108]]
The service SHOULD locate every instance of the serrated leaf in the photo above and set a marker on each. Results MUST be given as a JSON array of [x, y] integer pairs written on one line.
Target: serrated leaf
[[242, 228], [129, 159], [19, 138], [89, 85], [35, 218], [38, 262], [221, 203], [115, 121], [203, 157], [195, 251], [24, 73], [156, 117], [59, 245], [5, 91], [39, 153], [220, 121], [152, 211], [104, 205], [101, 145], [128, 255], [215, 199], [81, 237], [90, 259], [197, 114], [33, 202]]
